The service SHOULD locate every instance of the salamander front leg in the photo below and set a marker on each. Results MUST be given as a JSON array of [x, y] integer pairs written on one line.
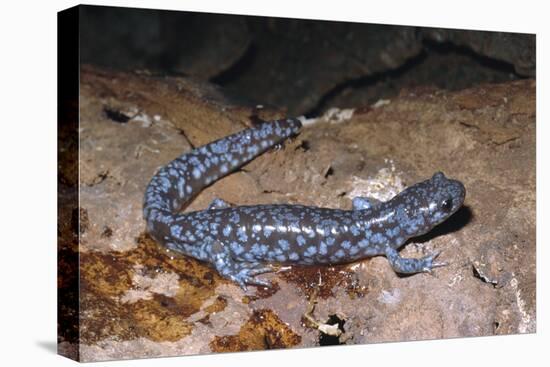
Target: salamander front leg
[[243, 273], [410, 266]]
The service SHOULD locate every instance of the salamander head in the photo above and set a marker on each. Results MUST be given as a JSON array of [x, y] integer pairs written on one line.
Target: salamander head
[[423, 206]]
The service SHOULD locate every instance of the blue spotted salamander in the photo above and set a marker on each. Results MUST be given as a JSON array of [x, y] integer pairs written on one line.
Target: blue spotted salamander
[[244, 241]]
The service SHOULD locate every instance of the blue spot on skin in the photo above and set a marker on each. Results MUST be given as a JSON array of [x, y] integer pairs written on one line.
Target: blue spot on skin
[[281, 258], [360, 203], [190, 236], [164, 184], [267, 231], [301, 240], [392, 232], [355, 230], [234, 218], [323, 248], [181, 182], [363, 243], [293, 256], [241, 234], [237, 248], [311, 250], [284, 245], [196, 173], [378, 238], [227, 230], [253, 149], [310, 232], [255, 249], [220, 147], [214, 228], [175, 231], [194, 160]]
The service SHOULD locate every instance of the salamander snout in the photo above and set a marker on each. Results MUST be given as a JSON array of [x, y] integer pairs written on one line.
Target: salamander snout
[[447, 197]]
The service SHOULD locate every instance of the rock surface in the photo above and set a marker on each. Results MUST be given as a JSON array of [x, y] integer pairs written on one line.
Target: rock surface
[[139, 300]]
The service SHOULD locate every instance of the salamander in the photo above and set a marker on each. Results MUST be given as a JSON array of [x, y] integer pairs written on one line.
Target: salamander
[[241, 242]]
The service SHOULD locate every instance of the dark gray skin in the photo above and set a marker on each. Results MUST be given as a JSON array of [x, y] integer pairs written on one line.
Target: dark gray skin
[[241, 242]]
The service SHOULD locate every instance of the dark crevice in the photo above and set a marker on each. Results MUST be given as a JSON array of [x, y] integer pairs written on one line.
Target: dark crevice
[[116, 116], [182, 133], [486, 61], [107, 232], [266, 191], [238, 68], [325, 339], [365, 82], [304, 146], [431, 49], [477, 275]]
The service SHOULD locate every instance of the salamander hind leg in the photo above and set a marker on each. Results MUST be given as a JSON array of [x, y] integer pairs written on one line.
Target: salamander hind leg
[[410, 266], [241, 272]]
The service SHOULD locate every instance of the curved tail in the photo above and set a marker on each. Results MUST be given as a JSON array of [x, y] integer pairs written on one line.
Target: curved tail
[[180, 180]]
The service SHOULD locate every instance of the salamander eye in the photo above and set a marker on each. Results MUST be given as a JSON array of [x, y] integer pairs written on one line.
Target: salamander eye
[[447, 204]]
